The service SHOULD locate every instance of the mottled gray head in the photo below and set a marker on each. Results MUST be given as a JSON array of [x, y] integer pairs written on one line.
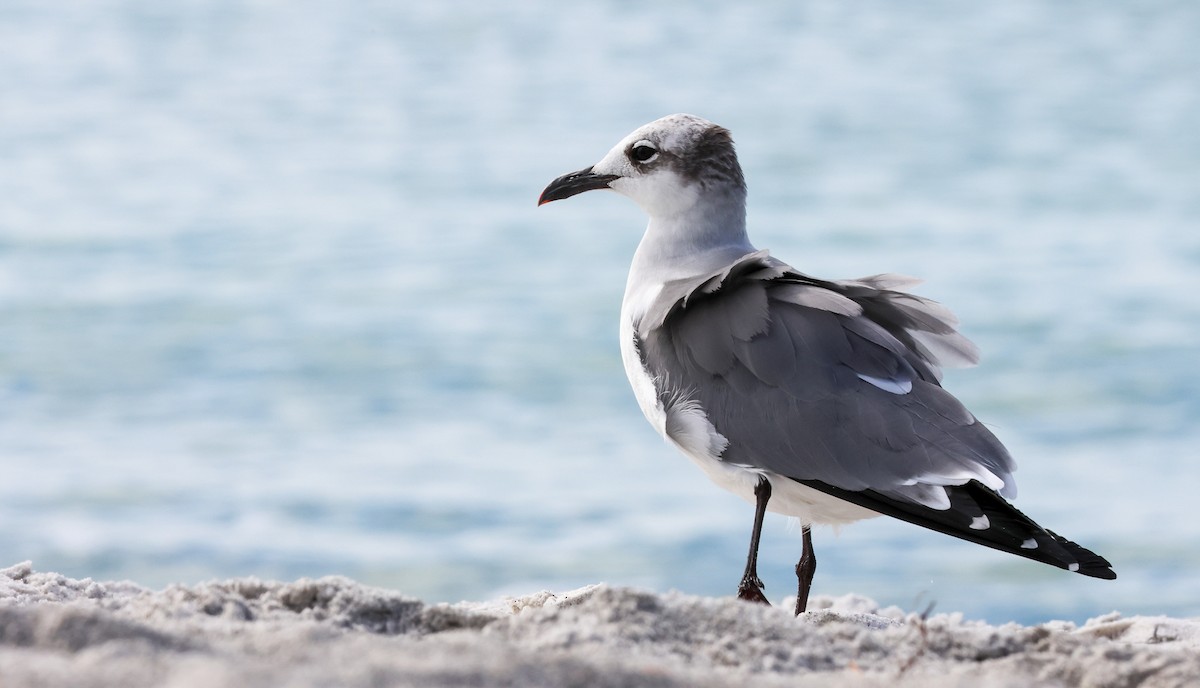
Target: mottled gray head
[[666, 167]]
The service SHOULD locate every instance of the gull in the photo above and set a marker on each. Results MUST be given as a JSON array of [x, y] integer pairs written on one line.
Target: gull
[[816, 399]]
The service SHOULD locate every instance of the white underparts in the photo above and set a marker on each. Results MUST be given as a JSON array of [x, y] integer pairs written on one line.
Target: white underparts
[[687, 426], [980, 523], [643, 386], [1029, 544]]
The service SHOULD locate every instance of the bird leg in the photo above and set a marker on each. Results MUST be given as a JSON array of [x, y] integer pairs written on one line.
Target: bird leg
[[805, 569], [750, 589]]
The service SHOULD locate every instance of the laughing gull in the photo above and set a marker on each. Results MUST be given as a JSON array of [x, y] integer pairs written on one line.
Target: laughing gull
[[818, 399]]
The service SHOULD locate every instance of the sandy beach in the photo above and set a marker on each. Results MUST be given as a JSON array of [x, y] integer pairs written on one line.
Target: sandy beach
[[58, 631]]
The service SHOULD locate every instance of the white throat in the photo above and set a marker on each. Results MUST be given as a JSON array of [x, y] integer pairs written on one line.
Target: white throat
[[702, 239]]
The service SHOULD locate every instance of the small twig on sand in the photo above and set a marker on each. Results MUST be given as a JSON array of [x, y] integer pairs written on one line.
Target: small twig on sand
[[923, 630]]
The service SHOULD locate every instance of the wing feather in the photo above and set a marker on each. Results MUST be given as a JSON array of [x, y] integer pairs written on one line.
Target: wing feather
[[802, 375]]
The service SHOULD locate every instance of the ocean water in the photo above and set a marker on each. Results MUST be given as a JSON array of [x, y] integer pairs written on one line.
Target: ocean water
[[275, 299]]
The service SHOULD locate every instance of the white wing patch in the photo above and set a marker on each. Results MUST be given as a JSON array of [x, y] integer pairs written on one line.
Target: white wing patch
[[932, 496], [893, 386]]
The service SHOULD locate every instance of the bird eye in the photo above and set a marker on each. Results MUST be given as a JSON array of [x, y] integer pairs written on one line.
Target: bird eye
[[642, 151]]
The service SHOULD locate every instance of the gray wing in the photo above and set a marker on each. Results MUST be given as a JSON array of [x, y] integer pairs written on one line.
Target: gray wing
[[815, 380], [836, 385]]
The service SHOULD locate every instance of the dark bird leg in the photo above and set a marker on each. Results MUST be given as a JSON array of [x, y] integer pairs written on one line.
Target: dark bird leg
[[750, 589], [805, 569]]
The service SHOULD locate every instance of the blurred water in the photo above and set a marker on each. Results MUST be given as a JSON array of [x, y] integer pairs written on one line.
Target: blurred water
[[275, 299]]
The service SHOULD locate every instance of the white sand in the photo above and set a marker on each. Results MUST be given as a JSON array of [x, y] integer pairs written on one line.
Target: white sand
[[56, 631]]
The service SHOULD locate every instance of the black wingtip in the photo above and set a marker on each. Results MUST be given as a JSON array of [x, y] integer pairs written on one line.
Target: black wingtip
[[1087, 562], [1009, 530]]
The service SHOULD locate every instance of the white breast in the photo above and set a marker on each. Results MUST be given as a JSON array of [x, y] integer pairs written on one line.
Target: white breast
[[643, 386]]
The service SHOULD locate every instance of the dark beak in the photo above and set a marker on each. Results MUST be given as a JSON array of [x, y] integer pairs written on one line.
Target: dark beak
[[568, 185]]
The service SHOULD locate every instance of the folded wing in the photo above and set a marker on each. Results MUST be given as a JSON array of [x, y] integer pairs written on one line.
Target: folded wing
[[837, 385]]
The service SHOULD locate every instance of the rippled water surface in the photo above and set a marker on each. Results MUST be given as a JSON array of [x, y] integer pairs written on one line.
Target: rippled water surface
[[275, 299]]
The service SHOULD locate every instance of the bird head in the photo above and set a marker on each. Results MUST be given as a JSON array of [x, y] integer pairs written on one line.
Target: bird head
[[665, 166]]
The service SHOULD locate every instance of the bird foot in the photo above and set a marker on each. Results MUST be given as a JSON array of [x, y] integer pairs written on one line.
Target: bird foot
[[750, 590]]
